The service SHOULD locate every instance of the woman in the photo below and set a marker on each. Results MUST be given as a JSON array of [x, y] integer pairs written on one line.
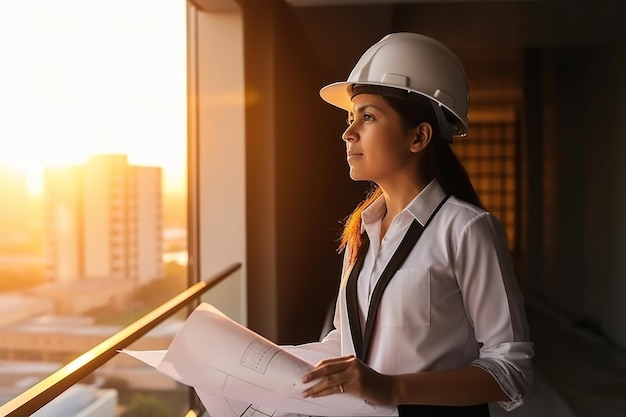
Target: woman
[[443, 331]]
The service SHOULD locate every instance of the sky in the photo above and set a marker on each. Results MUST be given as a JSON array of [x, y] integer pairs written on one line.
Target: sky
[[83, 77]]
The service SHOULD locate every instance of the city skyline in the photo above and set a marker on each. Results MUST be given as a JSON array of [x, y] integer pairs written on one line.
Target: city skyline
[[23, 214], [174, 180]]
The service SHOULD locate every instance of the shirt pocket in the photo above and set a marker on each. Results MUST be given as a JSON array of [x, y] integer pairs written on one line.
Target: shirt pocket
[[406, 300]]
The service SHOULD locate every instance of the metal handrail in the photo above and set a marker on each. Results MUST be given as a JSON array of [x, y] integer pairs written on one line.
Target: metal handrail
[[52, 386]]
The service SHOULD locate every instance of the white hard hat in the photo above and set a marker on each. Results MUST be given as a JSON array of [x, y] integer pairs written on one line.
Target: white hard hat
[[413, 63]]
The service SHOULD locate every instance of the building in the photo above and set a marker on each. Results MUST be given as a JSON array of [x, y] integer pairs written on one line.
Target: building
[[103, 219], [15, 308], [59, 339], [79, 400], [13, 216], [62, 222], [84, 296], [36, 339]]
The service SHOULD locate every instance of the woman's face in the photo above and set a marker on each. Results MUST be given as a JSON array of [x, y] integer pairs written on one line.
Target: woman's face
[[378, 147]]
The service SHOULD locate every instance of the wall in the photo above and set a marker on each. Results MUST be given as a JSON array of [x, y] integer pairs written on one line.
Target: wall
[[297, 185], [615, 324], [217, 153], [584, 187]]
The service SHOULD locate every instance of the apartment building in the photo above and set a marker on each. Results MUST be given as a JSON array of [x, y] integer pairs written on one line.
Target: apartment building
[[14, 204], [103, 219]]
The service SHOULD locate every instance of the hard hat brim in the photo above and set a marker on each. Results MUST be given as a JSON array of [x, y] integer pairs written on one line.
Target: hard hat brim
[[339, 95]]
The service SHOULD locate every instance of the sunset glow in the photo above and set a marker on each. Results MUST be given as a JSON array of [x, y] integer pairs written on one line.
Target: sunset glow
[[84, 77]]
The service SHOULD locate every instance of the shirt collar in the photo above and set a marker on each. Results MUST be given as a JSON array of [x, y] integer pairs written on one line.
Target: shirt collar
[[374, 212], [420, 208], [426, 202]]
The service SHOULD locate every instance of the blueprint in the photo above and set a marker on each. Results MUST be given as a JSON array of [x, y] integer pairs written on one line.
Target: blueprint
[[237, 372]]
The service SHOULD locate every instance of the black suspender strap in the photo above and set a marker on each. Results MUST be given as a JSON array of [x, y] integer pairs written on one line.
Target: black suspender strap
[[398, 258], [352, 303], [362, 341], [415, 410]]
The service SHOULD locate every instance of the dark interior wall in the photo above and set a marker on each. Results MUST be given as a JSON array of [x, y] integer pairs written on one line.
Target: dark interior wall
[[298, 189], [583, 245], [617, 292], [535, 181], [312, 185], [565, 260], [615, 321], [602, 278], [261, 217]]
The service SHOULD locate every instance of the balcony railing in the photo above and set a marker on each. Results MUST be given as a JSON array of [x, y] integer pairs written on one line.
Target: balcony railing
[[52, 386]]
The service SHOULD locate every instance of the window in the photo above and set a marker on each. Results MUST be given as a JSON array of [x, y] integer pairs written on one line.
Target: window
[[93, 148], [490, 156]]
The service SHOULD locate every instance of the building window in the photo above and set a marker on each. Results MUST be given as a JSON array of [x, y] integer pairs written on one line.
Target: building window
[[490, 154], [28, 355]]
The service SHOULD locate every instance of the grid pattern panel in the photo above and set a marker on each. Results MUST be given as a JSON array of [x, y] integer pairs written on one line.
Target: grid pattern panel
[[489, 154]]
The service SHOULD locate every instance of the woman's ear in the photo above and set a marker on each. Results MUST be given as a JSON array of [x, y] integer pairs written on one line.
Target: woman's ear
[[422, 135]]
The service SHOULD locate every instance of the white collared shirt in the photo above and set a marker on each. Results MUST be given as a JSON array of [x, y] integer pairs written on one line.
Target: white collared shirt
[[455, 301]]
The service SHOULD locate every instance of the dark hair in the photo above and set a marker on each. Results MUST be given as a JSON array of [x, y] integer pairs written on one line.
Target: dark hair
[[441, 161]]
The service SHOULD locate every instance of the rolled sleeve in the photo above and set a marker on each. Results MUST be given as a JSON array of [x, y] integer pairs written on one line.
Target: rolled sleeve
[[513, 377], [495, 307]]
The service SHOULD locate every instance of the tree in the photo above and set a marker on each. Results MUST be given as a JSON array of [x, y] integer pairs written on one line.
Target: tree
[[147, 406]]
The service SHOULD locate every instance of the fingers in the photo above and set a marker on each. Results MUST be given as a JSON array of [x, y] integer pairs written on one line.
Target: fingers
[[349, 375], [327, 384], [332, 376], [328, 367], [324, 388], [338, 359]]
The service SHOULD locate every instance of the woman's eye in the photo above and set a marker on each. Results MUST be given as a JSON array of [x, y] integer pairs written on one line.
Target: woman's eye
[[366, 118]]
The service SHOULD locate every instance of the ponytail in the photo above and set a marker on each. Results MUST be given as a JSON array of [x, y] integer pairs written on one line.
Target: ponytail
[[449, 171]]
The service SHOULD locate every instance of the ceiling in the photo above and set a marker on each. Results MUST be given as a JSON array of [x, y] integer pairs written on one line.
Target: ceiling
[[299, 3], [340, 30]]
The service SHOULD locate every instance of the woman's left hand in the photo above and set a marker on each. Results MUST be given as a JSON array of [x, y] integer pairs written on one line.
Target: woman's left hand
[[349, 374]]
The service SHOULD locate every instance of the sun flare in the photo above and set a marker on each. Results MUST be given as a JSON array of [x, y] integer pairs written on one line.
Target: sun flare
[[70, 87]]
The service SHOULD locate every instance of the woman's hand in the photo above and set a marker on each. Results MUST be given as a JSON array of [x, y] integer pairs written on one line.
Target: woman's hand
[[349, 374]]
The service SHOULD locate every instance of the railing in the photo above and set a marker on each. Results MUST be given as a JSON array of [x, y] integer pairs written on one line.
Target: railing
[[52, 386]]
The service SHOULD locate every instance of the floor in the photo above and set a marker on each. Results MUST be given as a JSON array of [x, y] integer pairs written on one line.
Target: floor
[[542, 402]]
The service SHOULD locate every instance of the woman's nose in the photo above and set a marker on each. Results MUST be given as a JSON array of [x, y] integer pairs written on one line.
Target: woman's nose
[[348, 134]]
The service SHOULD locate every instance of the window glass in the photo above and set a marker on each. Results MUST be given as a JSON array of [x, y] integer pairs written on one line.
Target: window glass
[[92, 175]]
